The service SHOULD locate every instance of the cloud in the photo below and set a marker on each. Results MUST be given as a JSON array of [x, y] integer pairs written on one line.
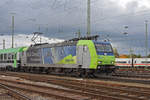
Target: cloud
[[65, 17], [25, 40]]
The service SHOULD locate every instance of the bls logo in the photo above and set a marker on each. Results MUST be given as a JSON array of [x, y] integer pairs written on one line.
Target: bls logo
[[69, 60]]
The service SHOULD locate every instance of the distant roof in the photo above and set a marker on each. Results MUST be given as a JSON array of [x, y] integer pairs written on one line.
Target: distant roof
[[123, 56], [13, 50], [94, 37]]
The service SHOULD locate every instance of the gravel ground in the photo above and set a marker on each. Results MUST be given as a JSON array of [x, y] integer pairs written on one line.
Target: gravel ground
[[5, 96]]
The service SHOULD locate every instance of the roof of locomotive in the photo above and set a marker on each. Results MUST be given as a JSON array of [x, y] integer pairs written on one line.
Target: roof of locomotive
[[46, 45], [73, 41], [101, 42], [65, 43]]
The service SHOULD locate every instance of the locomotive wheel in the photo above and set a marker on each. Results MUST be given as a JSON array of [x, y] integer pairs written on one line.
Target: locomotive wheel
[[48, 71], [79, 72], [89, 73]]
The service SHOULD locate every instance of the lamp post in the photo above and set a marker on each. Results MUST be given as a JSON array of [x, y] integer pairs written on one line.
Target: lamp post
[[13, 31], [39, 27], [3, 43], [146, 37], [88, 17], [13, 28], [46, 28], [146, 40]]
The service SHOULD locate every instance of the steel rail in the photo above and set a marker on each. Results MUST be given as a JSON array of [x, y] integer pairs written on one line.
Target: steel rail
[[14, 93]]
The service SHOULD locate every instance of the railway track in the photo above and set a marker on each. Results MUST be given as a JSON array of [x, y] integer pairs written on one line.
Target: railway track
[[125, 79], [139, 71], [10, 94], [56, 93], [132, 75], [119, 77], [69, 94], [91, 88]]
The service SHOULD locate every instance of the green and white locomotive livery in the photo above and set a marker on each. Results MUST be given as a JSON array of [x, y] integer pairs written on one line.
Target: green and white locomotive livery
[[82, 57]]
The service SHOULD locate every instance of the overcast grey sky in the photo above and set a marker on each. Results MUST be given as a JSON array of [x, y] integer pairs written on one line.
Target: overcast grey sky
[[65, 17]]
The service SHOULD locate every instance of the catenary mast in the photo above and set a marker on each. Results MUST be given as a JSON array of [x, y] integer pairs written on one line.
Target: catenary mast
[[88, 17]]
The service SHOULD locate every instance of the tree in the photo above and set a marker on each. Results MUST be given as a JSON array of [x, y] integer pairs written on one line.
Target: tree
[[139, 56], [123, 56], [148, 56], [116, 52]]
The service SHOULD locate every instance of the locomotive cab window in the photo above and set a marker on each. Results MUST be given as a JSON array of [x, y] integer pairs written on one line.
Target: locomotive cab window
[[103, 48]]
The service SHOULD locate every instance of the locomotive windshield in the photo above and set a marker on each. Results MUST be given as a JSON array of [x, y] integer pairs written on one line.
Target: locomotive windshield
[[103, 48]]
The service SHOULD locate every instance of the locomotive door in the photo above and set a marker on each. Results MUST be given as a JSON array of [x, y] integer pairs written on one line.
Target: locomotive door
[[83, 56], [86, 57], [80, 55]]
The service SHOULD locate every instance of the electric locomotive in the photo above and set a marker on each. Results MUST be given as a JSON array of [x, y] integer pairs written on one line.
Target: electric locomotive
[[82, 57]]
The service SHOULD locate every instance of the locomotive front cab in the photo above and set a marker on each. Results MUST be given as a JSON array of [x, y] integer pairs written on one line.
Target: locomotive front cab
[[95, 55], [105, 56]]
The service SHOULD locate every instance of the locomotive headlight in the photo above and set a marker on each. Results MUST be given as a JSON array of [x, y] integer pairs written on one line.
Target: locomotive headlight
[[99, 62], [99, 67]]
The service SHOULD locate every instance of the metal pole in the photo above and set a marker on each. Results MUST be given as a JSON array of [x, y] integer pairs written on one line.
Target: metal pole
[[40, 39], [79, 33], [88, 17], [3, 43], [12, 31], [146, 41], [131, 56], [39, 28], [46, 28]]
